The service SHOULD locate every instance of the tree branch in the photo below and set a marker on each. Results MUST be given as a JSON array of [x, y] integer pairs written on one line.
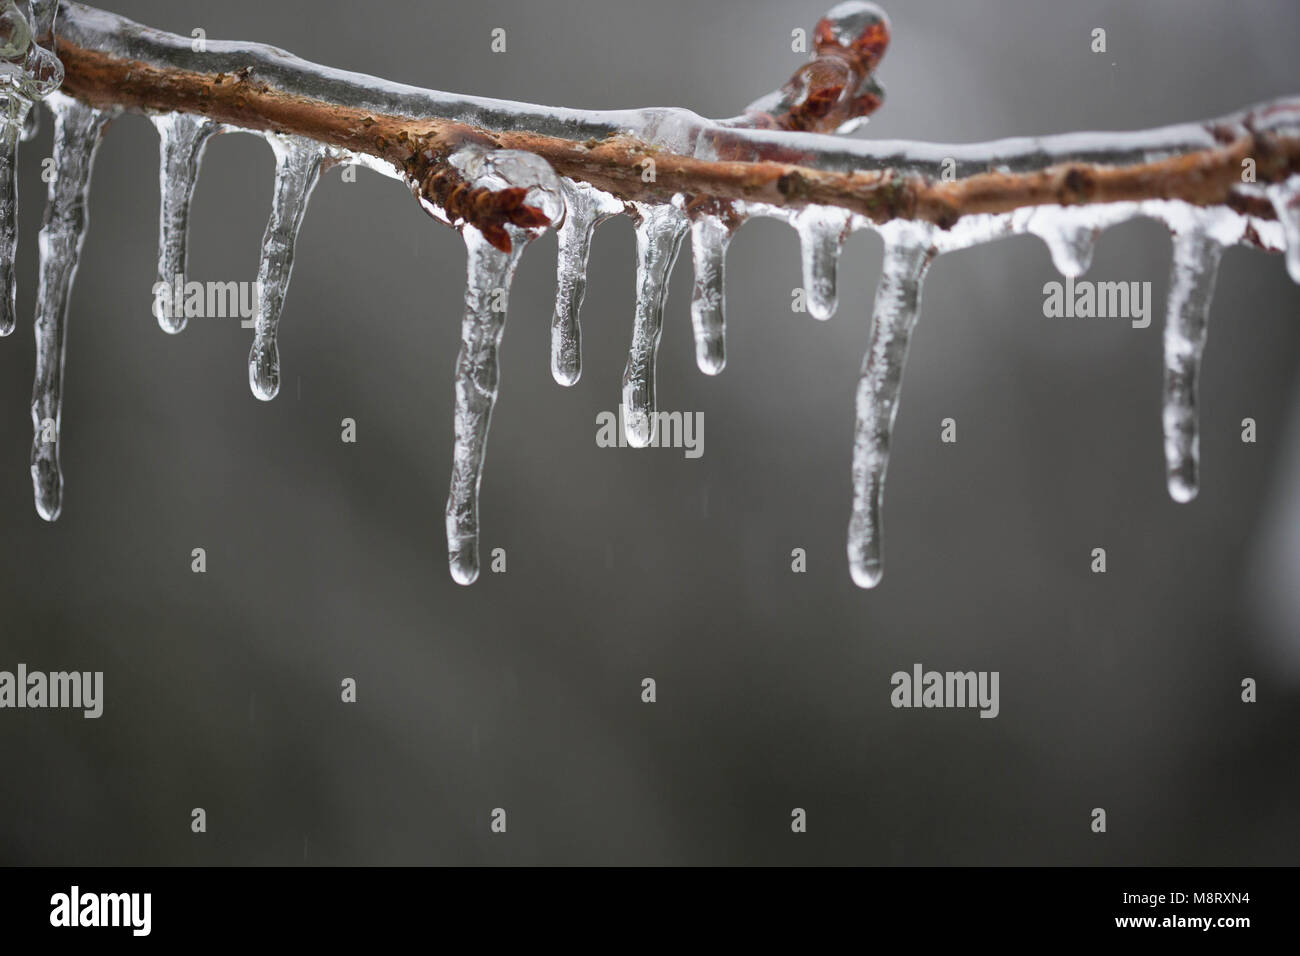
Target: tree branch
[[765, 156]]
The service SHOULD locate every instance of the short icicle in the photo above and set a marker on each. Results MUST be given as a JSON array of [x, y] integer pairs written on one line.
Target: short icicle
[[478, 375], [710, 236], [297, 169], [77, 130], [1071, 244], [658, 239], [822, 232], [1191, 287], [1286, 202], [908, 254], [587, 207], [182, 138]]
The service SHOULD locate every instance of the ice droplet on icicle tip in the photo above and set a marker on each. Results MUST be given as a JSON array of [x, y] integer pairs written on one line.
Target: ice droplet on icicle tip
[[822, 232], [77, 130], [658, 240], [1286, 202], [182, 138], [898, 301], [478, 377], [586, 208], [1195, 265], [297, 169], [710, 236]]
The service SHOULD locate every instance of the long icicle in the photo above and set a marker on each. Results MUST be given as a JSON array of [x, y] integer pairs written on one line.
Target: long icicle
[[658, 239], [11, 125], [478, 376], [587, 207], [898, 301], [710, 236], [297, 169], [182, 138], [77, 130], [1191, 288]]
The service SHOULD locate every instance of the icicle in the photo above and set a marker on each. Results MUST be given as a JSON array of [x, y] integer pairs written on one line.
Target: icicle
[[478, 375], [1286, 202], [1191, 287], [898, 300], [658, 239], [489, 272], [26, 73], [10, 130], [587, 207], [822, 232], [297, 168], [77, 130], [1070, 241], [181, 141], [710, 236]]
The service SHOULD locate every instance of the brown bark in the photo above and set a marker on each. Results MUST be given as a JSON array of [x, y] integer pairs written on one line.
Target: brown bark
[[421, 146]]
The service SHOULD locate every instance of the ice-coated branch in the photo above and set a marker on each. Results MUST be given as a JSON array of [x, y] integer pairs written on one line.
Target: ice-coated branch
[[502, 173], [767, 155]]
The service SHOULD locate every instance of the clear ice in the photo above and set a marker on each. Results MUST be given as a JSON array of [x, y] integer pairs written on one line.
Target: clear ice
[[822, 232], [10, 131], [710, 236], [478, 377], [297, 169], [1195, 265], [587, 207], [77, 130], [489, 272], [29, 72], [659, 234], [181, 140], [908, 253]]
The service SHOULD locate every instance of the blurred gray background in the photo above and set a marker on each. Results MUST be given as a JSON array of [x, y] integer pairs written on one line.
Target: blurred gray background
[[328, 560]]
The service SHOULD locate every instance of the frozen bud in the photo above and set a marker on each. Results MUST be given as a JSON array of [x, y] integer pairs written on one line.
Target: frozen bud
[[857, 30], [44, 73], [498, 169]]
